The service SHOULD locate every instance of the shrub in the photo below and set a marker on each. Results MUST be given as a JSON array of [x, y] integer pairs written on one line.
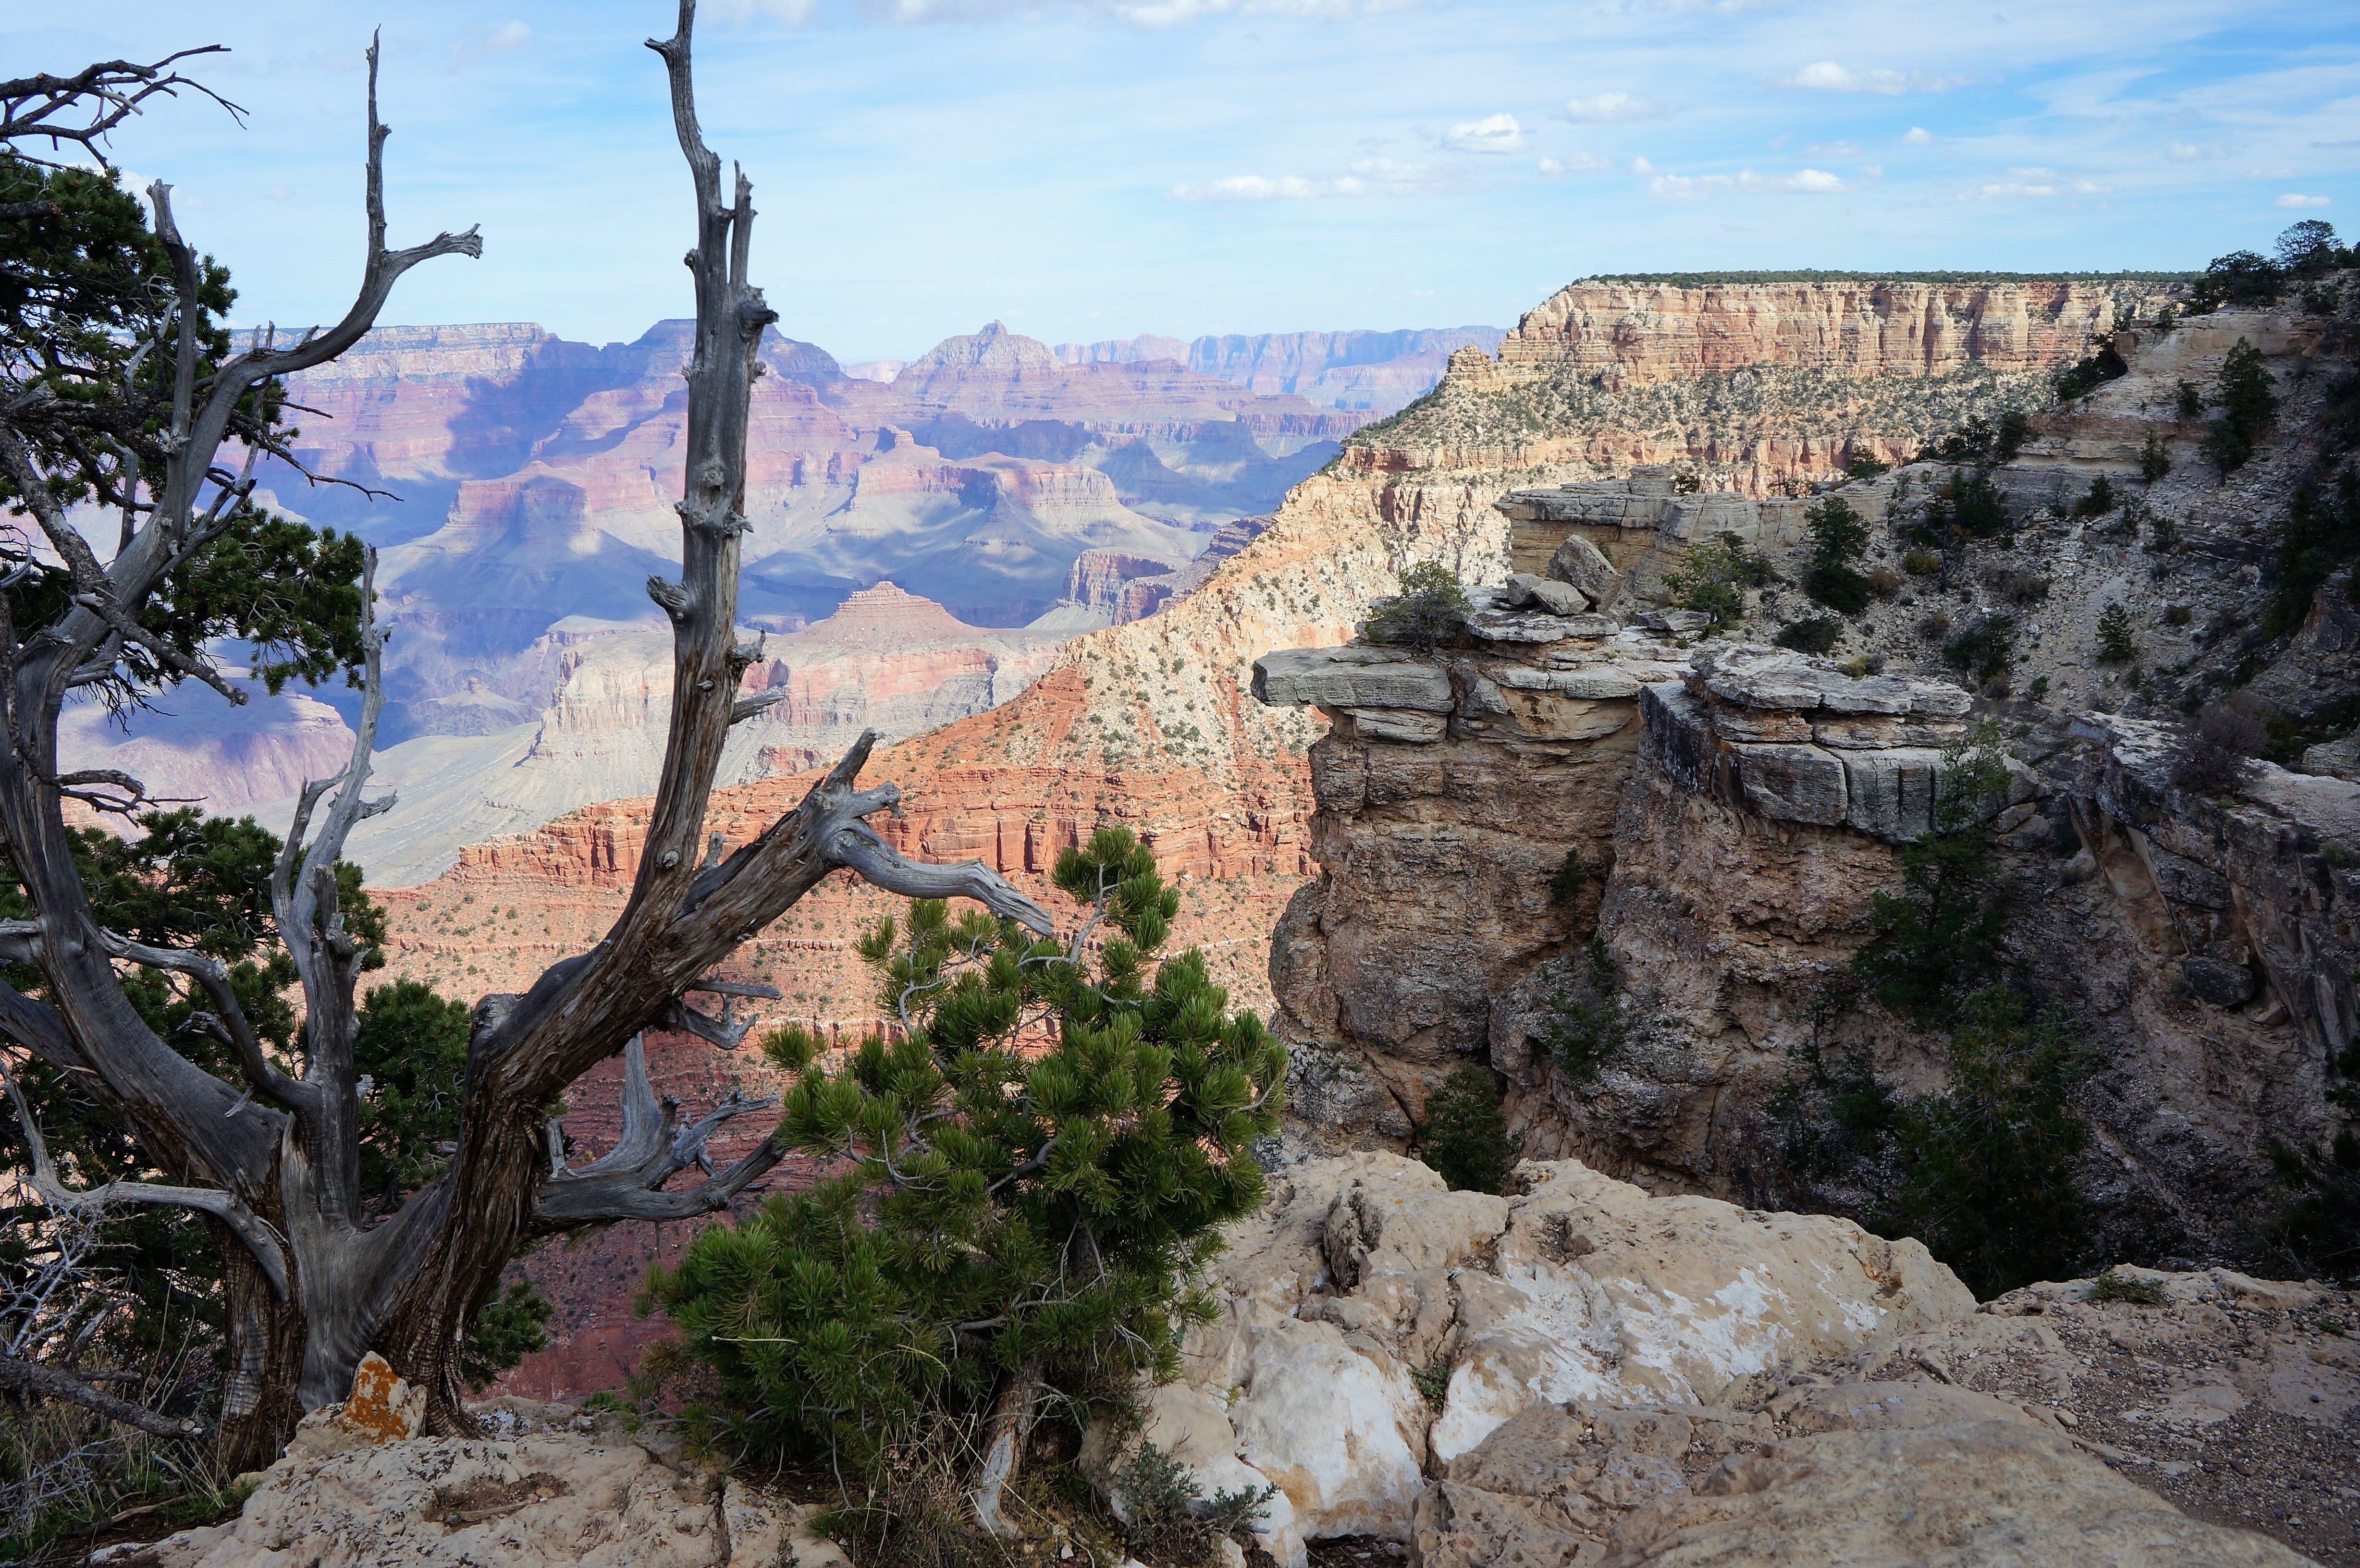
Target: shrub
[[2099, 501], [2213, 755], [1885, 583], [1862, 466], [1838, 587], [2115, 644], [1970, 507], [1429, 608], [2163, 536], [2015, 426], [1815, 634], [2039, 689], [2177, 614], [2113, 1287], [2091, 372], [1934, 626], [1714, 578], [1838, 532], [1866, 665], [2320, 538], [1171, 1520], [1922, 562], [1464, 1138], [1024, 1186], [2318, 1230], [2322, 298], [1686, 484], [2154, 458], [2020, 585], [1566, 884], [2248, 406], [1987, 1163], [2190, 400], [1940, 936], [1983, 650], [1587, 1030]]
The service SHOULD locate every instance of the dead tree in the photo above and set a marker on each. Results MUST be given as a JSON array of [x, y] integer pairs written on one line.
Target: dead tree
[[312, 1285]]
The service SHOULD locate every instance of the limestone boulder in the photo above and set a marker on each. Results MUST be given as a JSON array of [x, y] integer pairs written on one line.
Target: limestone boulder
[[1377, 1325], [1584, 566], [1351, 677], [1792, 783], [1526, 592]]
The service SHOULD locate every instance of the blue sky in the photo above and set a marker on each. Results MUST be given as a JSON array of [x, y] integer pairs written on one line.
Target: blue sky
[[1103, 167]]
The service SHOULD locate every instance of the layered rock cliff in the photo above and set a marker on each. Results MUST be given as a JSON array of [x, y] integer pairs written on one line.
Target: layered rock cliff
[[1736, 824], [1752, 386]]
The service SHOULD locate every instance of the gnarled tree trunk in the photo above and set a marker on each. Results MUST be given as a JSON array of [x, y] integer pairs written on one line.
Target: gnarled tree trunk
[[313, 1284]]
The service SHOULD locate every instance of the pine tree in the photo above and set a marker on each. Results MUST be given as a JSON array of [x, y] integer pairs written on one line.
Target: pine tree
[[1940, 935], [1033, 1172]]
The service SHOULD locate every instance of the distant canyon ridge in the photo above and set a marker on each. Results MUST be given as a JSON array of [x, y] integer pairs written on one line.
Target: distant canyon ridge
[[924, 539]]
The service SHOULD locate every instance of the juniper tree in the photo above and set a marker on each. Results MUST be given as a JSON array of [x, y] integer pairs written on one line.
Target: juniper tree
[[124, 391], [1032, 1172], [1838, 537], [1940, 936]]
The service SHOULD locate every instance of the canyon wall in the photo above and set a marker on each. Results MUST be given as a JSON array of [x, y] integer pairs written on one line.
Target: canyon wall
[[1734, 827], [1753, 387]]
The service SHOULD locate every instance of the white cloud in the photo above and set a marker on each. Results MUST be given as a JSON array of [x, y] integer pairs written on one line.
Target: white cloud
[[1686, 188], [1873, 171], [1612, 108], [2188, 152], [1493, 133], [2269, 174], [1369, 176], [1586, 161], [1831, 149], [505, 39], [1918, 136], [2034, 183], [1641, 166], [1827, 76], [2292, 199]]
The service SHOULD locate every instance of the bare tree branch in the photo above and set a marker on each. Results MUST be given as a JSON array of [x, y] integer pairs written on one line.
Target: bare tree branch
[[33, 108], [49, 1382], [249, 1227], [627, 1183]]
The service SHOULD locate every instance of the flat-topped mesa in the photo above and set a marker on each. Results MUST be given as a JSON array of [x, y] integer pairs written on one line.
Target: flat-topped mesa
[[1636, 334]]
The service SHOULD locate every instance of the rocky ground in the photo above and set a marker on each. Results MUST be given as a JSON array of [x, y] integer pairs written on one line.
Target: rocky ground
[[1574, 1375]]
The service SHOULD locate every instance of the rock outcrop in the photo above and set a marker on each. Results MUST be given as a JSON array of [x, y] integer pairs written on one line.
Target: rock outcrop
[[1376, 1327]]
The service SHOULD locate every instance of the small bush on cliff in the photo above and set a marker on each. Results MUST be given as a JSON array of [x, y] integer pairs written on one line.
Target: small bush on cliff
[[1987, 1163], [2321, 537], [1968, 505], [1983, 650], [1713, 579], [2154, 458], [2092, 372], [2213, 756], [1566, 884], [1028, 1181], [1464, 1138], [1939, 937], [1813, 634], [1838, 539], [1587, 1027], [2247, 407], [1429, 609], [2115, 644]]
